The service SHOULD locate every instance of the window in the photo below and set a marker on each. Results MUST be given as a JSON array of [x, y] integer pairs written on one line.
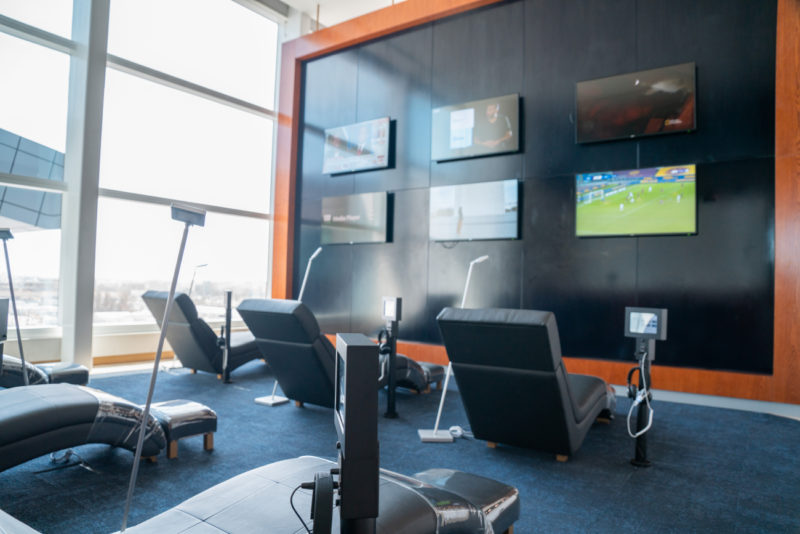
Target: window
[[218, 44], [163, 140], [189, 91], [33, 95], [54, 16], [137, 245], [33, 119]]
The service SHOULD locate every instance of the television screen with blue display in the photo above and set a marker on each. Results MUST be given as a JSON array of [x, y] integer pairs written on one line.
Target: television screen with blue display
[[651, 201]]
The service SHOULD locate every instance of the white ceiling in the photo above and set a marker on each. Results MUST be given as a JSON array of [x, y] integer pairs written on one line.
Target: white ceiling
[[335, 11]]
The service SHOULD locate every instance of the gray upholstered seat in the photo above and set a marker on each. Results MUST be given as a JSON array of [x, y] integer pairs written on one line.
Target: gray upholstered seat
[[194, 342], [36, 420], [513, 382]]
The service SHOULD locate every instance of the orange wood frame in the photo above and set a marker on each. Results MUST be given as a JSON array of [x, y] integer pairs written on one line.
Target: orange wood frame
[[782, 386]]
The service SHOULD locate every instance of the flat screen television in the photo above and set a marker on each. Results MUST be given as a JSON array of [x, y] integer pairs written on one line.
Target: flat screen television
[[479, 128], [487, 210], [357, 147], [652, 201], [359, 218], [647, 102]]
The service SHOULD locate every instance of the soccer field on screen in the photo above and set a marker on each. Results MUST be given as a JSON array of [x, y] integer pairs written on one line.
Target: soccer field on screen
[[645, 208]]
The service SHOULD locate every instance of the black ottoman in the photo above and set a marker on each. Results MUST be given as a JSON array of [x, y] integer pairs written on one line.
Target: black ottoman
[[183, 418]]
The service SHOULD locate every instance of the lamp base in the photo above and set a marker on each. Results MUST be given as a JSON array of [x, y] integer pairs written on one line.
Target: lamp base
[[271, 400], [435, 436]]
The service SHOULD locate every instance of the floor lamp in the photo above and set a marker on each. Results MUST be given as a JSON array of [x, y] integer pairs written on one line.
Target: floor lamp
[[277, 400], [188, 215], [444, 436]]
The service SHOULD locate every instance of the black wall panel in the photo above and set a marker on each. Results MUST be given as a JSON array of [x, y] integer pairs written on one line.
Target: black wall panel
[[718, 284], [394, 79], [567, 42], [585, 282], [734, 49], [395, 269]]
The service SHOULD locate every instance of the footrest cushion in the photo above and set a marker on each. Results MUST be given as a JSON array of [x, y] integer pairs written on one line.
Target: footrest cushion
[[433, 372], [66, 373], [181, 418]]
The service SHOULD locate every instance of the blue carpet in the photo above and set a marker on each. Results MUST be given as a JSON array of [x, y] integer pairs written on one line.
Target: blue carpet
[[714, 469]]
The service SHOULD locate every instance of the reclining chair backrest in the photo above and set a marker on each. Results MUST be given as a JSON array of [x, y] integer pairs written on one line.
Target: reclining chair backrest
[[509, 371], [289, 338], [192, 340]]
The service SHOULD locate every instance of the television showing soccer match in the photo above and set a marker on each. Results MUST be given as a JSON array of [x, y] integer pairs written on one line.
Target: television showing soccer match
[[355, 219], [653, 201], [357, 147], [479, 128], [648, 102], [488, 210]]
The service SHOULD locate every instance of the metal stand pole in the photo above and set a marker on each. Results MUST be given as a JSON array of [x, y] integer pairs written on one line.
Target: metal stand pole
[[226, 375], [391, 339], [642, 417], [434, 435], [146, 414], [16, 317]]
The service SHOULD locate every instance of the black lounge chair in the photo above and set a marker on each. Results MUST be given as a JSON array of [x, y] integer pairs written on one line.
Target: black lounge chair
[[36, 420], [50, 373], [194, 342], [302, 358], [513, 382]]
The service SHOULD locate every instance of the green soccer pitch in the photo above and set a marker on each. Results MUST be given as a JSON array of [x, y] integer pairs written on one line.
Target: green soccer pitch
[[650, 212]]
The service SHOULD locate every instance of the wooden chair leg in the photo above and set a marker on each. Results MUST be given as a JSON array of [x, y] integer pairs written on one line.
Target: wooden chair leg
[[298, 404], [219, 377], [172, 450], [208, 441], [491, 444], [562, 458], [194, 371], [439, 385], [150, 459], [604, 420], [509, 530]]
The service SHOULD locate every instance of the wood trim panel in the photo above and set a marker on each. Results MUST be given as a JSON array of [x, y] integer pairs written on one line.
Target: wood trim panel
[[782, 386], [130, 358]]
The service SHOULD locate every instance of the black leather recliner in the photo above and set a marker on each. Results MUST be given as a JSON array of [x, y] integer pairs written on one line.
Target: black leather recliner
[[194, 342], [513, 383], [302, 358]]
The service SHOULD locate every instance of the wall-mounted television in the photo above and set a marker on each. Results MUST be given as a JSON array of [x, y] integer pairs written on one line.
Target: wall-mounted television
[[357, 147], [652, 201], [479, 128], [486, 210], [648, 102], [355, 219]]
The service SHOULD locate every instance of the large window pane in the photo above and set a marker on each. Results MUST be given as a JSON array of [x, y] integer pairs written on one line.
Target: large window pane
[[33, 92], [137, 245], [164, 142], [215, 43], [34, 218], [54, 16]]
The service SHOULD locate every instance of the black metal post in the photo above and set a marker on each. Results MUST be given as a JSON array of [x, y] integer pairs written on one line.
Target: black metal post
[[643, 416], [391, 339]]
